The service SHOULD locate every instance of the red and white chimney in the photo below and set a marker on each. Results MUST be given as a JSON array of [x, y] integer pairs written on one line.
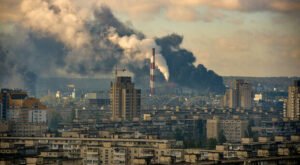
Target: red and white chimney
[[152, 72]]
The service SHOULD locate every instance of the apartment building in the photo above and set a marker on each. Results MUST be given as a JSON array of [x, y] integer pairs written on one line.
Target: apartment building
[[109, 151], [241, 95], [292, 104], [17, 106], [234, 130], [94, 150], [125, 100]]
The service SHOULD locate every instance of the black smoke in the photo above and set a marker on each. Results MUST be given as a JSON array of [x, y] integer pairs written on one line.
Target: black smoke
[[41, 55], [104, 19], [4, 66], [180, 61], [181, 68], [13, 75]]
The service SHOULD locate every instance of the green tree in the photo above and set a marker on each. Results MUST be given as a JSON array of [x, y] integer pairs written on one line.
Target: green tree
[[73, 114], [178, 134], [212, 142], [200, 125], [55, 120], [222, 138], [201, 142], [189, 143], [248, 132]]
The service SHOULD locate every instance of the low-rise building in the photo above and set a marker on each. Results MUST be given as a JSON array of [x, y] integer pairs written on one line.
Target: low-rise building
[[110, 151]]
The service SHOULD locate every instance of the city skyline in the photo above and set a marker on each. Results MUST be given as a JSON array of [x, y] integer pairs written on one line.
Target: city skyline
[[140, 82]]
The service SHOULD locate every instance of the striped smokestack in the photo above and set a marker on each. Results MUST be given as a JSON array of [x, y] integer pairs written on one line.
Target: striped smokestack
[[152, 71]]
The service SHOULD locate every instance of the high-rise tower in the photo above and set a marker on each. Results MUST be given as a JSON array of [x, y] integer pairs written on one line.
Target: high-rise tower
[[125, 100], [152, 72], [292, 108], [240, 96], [11, 99]]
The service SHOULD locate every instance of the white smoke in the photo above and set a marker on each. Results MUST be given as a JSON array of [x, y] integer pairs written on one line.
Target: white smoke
[[70, 24], [139, 50], [56, 17]]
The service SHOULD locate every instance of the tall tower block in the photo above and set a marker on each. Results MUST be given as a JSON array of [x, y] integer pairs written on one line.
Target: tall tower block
[[152, 72]]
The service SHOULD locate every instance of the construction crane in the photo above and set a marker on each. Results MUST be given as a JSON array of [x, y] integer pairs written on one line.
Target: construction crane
[[110, 69], [116, 71]]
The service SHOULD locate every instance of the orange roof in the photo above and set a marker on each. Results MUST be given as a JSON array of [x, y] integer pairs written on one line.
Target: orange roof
[[31, 102]]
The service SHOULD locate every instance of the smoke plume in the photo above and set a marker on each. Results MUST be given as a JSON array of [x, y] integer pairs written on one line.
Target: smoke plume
[[182, 70], [138, 50], [56, 38]]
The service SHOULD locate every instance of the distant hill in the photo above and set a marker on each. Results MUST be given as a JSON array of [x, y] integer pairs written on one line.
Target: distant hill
[[267, 83]]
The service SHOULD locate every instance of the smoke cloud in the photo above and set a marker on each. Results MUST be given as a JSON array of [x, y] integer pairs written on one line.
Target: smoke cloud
[[58, 18], [182, 70], [138, 50], [59, 39]]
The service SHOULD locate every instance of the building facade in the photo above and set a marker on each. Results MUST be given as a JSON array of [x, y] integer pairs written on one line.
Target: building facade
[[234, 130], [18, 107], [125, 100], [245, 95], [241, 95], [230, 98], [11, 99], [26, 116], [107, 151], [292, 104]]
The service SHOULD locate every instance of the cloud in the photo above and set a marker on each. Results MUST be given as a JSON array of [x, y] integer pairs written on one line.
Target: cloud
[[287, 46], [236, 21], [250, 53], [178, 10], [285, 5], [57, 18], [210, 15], [10, 10], [55, 38], [138, 50], [59, 37], [182, 14]]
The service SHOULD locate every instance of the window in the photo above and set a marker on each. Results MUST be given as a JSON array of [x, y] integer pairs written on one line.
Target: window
[[36, 105]]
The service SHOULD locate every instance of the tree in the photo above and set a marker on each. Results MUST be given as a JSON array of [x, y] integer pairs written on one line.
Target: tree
[[55, 119], [178, 134], [212, 142], [202, 133], [249, 132], [189, 143], [201, 127], [221, 138], [201, 142], [73, 114]]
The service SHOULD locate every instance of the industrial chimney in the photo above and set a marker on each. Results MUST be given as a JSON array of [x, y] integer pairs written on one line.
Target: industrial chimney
[[152, 72]]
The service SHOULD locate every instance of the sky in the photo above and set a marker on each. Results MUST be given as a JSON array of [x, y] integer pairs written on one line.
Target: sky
[[230, 37]]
